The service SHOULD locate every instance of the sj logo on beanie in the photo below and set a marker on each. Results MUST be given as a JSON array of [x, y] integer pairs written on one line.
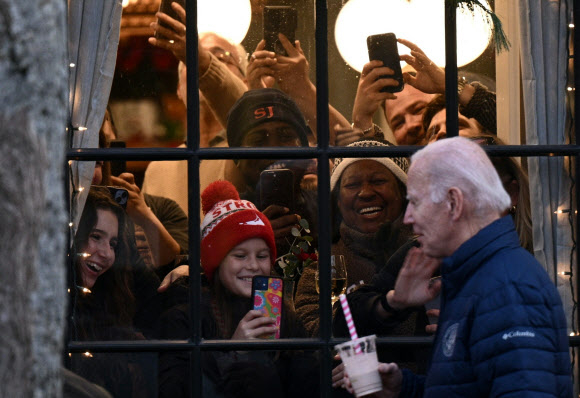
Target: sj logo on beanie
[[266, 112]]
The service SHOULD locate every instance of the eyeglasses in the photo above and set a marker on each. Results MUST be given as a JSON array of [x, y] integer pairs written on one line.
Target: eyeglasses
[[227, 58]]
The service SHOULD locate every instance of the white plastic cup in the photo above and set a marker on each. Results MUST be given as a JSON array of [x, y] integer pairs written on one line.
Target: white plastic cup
[[363, 368]]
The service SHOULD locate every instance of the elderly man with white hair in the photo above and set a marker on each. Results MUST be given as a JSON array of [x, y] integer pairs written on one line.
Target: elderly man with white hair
[[501, 329]]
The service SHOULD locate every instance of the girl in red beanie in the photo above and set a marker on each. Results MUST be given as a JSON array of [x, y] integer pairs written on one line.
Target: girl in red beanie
[[237, 243]]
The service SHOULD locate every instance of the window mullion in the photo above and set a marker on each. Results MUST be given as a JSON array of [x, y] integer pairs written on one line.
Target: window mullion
[[451, 101]]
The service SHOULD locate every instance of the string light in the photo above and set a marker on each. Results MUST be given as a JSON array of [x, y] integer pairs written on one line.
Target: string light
[[562, 211], [88, 354], [84, 290], [70, 224], [573, 311], [72, 65], [81, 189], [81, 128]]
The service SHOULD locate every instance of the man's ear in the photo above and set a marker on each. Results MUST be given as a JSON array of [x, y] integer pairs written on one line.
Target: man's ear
[[513, 189], [455, 202]]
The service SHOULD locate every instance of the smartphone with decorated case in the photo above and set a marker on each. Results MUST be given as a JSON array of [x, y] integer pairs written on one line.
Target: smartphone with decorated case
[[267, 298]]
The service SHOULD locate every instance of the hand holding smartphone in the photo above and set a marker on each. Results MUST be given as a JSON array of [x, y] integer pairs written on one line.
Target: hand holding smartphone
[[383, 47], [119, 195], [277, 188], [267, 298], [165, 7], [279, 19]]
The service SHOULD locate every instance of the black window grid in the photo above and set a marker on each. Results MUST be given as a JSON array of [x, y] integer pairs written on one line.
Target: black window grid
[[323, 152]]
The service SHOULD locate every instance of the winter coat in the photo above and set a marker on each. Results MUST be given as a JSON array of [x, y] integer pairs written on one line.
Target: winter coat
[[502, 329]]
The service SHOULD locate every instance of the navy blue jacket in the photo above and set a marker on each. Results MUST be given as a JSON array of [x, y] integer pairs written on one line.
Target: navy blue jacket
[[502, 330]]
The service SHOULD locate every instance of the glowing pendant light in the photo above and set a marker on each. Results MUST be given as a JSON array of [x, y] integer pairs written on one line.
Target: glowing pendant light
[[227, 18], [419, 21]]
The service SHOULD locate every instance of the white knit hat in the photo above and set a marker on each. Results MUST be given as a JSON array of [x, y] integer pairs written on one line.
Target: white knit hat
[[397, 165]]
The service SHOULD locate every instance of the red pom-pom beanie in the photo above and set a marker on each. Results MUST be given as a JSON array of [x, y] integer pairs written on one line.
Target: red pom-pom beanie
[[228, 222]]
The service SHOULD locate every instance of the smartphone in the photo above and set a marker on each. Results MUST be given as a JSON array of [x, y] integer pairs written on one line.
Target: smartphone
[[118, 166], [383, 47], [120, 195], [279, 19], [267, 298], [277, 188], [165, 7]]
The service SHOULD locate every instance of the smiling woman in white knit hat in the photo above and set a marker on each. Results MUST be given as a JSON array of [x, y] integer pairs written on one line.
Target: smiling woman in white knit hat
[[369, 199], [237, 243]]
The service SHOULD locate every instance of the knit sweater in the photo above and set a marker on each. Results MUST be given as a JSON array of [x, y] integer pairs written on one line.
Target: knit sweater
[[365, 255]]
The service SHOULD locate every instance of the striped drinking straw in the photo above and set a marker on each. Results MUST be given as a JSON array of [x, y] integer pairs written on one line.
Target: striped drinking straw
[[349, 322]]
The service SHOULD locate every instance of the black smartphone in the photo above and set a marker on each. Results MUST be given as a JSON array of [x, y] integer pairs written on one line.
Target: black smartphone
[[383, 47], [165, 7], [277, 188], [279, 19], [120, 195], [118, 166], [267, 296]]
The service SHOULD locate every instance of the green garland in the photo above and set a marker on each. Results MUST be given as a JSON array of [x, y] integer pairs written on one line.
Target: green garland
[[499, 36]]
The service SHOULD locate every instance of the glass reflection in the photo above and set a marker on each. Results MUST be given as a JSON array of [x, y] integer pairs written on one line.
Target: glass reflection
[[397, 117], [126, 242], [130, 375], [149, 110]]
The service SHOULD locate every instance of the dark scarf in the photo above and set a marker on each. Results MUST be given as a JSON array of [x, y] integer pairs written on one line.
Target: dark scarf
[[366, 253]]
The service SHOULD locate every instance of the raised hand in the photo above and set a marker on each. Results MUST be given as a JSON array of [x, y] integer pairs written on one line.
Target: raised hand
[[137, 209], [347, 135], [173, 34], [291, 71], [253, 325], [430, 78], [414, 286], [368, 94], [282, 221], [260, 72]]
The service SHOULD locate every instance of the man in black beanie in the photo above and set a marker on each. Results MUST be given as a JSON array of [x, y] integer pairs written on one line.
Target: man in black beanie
[[264, 118], [267, 118]]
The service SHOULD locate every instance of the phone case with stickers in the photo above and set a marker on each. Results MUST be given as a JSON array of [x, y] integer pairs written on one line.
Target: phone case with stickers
[[267, 296]]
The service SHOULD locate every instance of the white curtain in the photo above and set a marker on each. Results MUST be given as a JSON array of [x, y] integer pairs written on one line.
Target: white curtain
[[93, 39], [544, 63]]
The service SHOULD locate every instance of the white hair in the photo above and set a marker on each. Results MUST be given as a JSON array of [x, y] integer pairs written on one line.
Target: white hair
[[242, 54], [461, 163]]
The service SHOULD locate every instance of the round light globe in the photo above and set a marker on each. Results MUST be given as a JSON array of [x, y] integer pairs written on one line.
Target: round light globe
[[227, 18], [419, 21]]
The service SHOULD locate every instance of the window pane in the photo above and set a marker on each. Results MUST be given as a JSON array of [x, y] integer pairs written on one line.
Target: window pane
[[125, 243], [397, 110], [149, 95], [129, 375]]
